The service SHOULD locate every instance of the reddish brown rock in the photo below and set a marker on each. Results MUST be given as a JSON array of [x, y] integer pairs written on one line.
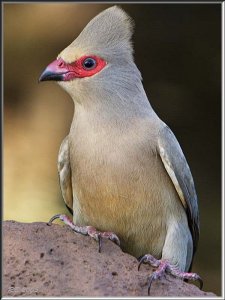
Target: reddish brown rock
[[39, 260]]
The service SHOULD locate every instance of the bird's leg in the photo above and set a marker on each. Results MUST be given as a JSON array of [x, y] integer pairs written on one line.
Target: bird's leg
[[87, 230], [162, 267]]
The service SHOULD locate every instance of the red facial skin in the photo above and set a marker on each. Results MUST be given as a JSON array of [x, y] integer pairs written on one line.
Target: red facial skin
[[59, 70]]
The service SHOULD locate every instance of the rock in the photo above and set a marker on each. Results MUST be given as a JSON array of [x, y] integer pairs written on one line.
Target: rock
[[41, 260]]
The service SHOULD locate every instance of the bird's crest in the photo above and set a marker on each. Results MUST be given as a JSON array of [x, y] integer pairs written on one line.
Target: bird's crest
[[108, 35]]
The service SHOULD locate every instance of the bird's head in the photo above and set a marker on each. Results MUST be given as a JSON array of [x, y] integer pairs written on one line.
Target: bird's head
[[101, 55]]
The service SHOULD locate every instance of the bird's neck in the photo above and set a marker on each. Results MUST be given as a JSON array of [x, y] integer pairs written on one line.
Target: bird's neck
[[119, 103], [112, 112]]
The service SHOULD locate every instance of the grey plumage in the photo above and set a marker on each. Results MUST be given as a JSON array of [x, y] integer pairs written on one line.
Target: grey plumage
[[173, 158], [121, 168], [64, 171]]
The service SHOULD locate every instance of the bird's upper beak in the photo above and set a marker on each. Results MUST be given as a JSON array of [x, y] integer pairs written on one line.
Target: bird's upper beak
[[56, 70]]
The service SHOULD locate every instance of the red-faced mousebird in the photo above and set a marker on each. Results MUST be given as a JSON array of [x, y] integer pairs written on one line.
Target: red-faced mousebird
[[122, 172]]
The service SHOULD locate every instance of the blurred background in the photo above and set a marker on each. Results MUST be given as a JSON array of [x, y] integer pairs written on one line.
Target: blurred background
[[178, 51]]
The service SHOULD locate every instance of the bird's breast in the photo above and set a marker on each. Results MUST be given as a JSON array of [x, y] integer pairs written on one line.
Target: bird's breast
[[119, 186]]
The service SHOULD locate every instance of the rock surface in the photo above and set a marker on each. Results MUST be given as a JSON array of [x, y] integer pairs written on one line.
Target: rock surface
[[39, 260]]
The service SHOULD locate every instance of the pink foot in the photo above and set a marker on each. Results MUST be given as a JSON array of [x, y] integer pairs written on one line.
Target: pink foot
[[163, 267], [87, 230]]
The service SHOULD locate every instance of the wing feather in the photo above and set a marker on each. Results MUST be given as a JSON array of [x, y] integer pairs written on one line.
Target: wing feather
[[65, 174], [177, 167]]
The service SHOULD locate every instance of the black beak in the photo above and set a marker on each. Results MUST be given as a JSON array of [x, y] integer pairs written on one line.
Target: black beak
[[48, 75]]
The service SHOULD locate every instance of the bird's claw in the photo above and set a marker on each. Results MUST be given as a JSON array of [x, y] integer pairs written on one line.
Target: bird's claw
[[148, 259], [98, 236], [163, 267], [150, 279], [99, 243], [87, 230], [200, 282], [53, 218], [196, 277], [142, 260]]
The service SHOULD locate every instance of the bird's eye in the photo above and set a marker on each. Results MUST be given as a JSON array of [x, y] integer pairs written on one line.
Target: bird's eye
[[89, 63]]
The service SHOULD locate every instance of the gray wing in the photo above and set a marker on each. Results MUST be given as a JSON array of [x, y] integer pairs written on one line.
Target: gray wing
[[65, 174], [180, 174]]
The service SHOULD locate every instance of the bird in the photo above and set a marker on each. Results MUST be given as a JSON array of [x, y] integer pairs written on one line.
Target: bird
[[123, 174]]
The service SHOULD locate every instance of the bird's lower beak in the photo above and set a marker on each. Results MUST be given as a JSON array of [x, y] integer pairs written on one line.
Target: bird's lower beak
[[55, 71]]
